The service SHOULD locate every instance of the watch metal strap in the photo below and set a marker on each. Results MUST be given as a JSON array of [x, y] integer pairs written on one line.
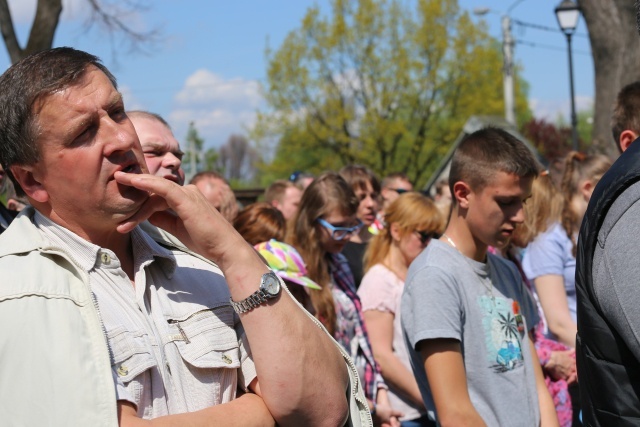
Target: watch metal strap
[[249, 303]]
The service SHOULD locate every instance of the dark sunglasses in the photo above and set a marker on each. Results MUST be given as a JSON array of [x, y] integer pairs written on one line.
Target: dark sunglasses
[[399, 190], [425, 237]]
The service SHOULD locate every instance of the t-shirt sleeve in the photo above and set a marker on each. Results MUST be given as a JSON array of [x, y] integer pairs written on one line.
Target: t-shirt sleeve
[[431, 306], [377, 291], [545, 255]]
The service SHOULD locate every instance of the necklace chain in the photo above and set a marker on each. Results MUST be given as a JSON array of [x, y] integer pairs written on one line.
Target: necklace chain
[[454, 246]]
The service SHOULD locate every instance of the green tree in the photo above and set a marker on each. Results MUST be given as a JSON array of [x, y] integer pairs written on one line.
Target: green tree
[[195, 160], [380, 83]]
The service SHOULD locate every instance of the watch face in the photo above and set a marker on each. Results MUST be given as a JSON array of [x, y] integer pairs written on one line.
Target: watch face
[[271, 284]]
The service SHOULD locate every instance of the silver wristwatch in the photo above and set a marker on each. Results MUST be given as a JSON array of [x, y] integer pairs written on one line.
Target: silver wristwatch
[[269, 288]]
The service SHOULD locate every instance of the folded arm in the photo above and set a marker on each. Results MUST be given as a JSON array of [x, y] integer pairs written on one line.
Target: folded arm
[[302, 376], [247, 410]]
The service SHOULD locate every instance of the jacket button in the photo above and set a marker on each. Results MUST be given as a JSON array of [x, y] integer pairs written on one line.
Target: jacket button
[[123, 370]]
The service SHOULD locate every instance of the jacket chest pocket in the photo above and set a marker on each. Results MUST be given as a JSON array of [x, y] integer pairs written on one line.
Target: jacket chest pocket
[[207, 338], [208, 356], [130, 353]]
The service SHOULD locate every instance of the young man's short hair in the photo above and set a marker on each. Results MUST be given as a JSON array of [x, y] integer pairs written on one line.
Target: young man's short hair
[[626, 112], [487, 151], [277, 190]]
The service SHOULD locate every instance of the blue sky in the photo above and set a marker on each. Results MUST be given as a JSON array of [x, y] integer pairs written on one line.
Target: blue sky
[[210, 63]]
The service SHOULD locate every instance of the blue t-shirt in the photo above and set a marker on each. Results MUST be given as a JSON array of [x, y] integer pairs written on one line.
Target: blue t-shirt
[[550, 253]]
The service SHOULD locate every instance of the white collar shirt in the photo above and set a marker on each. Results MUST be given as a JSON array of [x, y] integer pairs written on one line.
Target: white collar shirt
[[175, 343]]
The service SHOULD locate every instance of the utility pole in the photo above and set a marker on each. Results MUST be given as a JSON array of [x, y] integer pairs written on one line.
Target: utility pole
[[507, 49]]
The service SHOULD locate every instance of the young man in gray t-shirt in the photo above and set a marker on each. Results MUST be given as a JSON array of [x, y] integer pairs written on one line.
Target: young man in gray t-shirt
[[467, 317]]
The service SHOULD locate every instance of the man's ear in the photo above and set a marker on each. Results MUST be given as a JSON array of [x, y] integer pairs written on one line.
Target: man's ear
[[461, 191], [626, 138], [30, 185]]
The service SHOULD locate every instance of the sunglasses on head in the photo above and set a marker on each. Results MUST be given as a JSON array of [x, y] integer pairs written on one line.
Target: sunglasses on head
[[426, 237]]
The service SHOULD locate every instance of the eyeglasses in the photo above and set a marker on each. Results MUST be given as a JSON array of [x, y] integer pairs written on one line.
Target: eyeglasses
[[340, 233], [425, 237]]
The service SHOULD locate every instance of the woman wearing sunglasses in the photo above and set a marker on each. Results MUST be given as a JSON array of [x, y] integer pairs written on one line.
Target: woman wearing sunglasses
[[325, 221], [412, 221]]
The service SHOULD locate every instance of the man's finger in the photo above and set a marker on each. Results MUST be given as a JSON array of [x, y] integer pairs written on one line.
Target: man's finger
[[152, 205], [150, 183]]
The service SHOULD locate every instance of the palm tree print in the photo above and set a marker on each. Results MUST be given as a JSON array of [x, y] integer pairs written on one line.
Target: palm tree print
[[508, 325]]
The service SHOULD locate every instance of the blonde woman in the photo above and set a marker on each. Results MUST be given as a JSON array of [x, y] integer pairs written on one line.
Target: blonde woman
[[412, 220]]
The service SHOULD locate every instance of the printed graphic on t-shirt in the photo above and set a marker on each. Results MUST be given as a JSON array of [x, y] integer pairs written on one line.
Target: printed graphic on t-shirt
[[503, 329]]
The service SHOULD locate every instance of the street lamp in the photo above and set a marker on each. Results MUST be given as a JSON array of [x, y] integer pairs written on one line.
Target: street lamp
[[568, 13]]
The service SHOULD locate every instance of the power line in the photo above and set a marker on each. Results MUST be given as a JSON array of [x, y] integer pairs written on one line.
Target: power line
[[549, 47], [544, 28]]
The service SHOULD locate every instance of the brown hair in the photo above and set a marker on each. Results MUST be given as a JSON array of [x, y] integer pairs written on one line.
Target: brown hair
[[325, 194], [487, 151], [578, 167], [260, 222], [357, 176], [542, 209], [411, 211], [626, 112]]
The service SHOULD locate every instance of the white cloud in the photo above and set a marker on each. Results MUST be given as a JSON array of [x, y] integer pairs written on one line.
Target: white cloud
[[551, 109], [219, 107], [204, 87]]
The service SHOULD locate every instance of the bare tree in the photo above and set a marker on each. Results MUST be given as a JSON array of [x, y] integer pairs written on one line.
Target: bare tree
[[109, 15], [616, 58], [237, 159]]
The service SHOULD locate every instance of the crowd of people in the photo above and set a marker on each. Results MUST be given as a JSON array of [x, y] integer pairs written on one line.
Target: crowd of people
[[338, 299]]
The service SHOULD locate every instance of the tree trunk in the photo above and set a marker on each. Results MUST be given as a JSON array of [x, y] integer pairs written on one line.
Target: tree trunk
[[42, 30], [615, 47]]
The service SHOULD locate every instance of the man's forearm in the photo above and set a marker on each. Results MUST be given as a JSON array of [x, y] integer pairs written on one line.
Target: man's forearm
[[247, 410], [302, 375]]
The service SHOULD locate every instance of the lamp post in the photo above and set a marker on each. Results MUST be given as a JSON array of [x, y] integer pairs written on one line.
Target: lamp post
[[507, 51], [568, 13]]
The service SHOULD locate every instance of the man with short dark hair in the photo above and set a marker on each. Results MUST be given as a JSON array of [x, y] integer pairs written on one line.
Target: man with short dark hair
[[467, 316], [607, 271], [625, 119], [110, 322]]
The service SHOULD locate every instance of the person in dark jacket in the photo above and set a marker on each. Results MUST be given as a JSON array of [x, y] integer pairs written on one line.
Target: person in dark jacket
[[608, 296]]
